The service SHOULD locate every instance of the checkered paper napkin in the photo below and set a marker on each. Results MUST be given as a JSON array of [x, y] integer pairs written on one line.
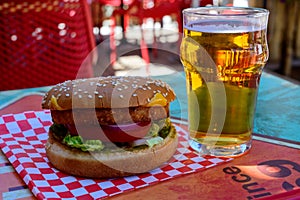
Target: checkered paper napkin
[[22, 139]]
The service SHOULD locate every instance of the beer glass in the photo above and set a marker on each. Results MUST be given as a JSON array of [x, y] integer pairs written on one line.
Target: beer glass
[[223, 50]]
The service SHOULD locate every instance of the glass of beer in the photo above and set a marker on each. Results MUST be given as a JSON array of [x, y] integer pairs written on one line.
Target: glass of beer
[[223, 50]]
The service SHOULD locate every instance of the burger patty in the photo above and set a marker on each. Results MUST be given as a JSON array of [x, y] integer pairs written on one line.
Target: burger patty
[[110, 116]]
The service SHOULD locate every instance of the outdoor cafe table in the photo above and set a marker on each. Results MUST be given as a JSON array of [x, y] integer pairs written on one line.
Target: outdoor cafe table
[[271, 170]]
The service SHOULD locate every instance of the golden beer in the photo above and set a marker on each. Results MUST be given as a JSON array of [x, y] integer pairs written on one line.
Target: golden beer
[[223, 70]]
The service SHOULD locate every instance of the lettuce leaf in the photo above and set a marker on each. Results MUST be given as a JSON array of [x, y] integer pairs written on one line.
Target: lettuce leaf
[[153, 141], [153, 131], [84, 145]]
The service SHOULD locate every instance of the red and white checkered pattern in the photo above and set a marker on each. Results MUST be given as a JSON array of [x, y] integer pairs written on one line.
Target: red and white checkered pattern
[[22, 139]]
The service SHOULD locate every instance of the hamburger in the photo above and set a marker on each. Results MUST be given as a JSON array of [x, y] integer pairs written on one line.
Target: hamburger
[[110, 126]]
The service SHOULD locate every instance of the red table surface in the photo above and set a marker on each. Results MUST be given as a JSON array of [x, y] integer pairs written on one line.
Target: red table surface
[[238, 179]]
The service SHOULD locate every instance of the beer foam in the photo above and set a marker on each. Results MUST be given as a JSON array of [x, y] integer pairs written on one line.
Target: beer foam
[[224, 26]]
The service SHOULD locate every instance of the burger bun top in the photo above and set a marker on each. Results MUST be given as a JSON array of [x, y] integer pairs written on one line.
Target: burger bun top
[[108, 92]]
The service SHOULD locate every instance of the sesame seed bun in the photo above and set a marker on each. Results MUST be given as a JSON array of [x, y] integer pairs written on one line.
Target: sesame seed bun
[[124, 120], [106, 92]]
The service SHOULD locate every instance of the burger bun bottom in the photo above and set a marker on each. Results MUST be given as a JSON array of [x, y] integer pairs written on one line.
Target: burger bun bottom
[[109, 164]]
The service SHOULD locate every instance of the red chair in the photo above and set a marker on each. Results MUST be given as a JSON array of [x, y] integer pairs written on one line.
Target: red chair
[[44, 42], [205, 2], [141, 10], [98, 14]]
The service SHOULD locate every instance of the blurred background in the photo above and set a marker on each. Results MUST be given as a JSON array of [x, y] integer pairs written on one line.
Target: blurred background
[[160, 30], [68, 39]]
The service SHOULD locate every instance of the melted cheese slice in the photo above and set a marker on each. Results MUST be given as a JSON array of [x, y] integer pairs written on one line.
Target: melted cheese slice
[[157, 100], [54, 104]]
